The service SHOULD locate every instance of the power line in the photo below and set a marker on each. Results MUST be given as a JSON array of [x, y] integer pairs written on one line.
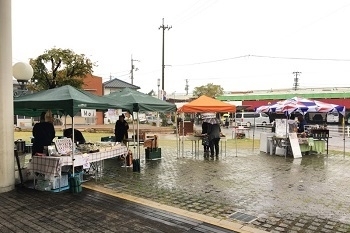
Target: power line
[[300, 58], [213, 61], [262, 56]]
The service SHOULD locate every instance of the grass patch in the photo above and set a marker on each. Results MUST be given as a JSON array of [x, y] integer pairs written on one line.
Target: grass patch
[[230, 144], [96, 137], [89, 137]]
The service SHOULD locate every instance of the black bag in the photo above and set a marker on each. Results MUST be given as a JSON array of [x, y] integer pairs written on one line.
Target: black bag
[[205, 141]]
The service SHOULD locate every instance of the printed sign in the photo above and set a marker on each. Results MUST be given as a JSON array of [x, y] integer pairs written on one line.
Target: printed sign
[[64, 145], [294, 144], [281, 129], [88, 112]]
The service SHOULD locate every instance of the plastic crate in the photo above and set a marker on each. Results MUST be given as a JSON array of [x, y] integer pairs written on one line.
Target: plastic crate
[[57, 183], [154, 153]]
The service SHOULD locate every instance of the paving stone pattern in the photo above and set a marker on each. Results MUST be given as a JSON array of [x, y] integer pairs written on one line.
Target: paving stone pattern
[[310, 194], [28, 210]]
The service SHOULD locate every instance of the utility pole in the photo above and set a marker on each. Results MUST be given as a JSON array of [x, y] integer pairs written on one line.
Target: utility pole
[[132, 70], [163, 27], [296, 80], [186, 87]]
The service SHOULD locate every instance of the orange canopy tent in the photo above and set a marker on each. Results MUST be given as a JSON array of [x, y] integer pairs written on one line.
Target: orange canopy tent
[[207, 104]]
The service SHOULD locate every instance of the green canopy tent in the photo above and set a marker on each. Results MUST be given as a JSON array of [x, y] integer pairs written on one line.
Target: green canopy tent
[[135, 102], [65, 100]]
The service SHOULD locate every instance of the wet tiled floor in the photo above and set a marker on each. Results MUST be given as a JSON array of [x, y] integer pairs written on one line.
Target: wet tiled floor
[[279, 194]]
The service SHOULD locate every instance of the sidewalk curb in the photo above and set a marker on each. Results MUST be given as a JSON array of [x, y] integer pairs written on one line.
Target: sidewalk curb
[[214, 221]]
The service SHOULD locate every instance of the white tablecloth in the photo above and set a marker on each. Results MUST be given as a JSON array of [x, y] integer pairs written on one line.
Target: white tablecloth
[[50, 165]]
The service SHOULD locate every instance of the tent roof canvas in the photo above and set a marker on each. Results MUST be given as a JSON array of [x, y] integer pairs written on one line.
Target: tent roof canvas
[[65, 99], [302, 105], [207, 104], [135, 101]]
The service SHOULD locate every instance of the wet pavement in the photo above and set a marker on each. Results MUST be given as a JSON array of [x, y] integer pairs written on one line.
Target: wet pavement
[[28, 210], [252, 190], [271, 193]]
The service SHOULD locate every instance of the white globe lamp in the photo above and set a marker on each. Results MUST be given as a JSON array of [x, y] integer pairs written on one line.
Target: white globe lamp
[[22, 72]]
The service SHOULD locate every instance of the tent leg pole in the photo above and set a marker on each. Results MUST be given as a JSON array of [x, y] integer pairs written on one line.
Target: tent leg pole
[[343, 139], [253, 134]]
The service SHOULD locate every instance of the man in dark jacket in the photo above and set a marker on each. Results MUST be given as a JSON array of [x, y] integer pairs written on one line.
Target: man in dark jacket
[[43, 133], [78, 136], [214, 132], [121, 129]]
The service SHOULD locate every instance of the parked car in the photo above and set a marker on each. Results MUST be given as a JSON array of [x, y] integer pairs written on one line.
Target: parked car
[[248, 118], [332, 117], [153, 119]]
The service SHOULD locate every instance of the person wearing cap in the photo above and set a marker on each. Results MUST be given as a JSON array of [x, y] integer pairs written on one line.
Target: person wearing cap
[[121, 129], [43, 133]]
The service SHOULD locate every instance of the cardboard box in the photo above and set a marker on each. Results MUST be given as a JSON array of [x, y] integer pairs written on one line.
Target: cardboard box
[[151, 142], [152, 154]]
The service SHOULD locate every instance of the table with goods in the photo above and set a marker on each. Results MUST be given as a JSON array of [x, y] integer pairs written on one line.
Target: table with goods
[[63, 164]]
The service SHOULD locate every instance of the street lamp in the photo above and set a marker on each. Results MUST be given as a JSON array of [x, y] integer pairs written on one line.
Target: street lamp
[[158, 84], [22, 72]]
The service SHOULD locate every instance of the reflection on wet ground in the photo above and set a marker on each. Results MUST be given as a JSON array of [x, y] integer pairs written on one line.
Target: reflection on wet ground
[[281, 194]]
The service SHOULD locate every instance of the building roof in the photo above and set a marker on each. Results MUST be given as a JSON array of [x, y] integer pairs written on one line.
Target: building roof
[[312, 93], [117, 83]]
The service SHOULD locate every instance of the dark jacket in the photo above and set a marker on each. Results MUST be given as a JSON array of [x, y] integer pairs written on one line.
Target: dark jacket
[[121, 130], [301, 126], [214, 131], [78, 136], [43, 133], [204, 127]]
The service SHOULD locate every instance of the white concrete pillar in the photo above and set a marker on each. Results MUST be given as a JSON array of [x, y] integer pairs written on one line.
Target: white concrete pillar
[[7, 164]]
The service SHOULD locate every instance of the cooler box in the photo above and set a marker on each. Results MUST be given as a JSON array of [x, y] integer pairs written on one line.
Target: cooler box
[[153, 153]]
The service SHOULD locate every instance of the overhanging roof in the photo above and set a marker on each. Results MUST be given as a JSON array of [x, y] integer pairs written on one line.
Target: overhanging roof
[[278, 96]]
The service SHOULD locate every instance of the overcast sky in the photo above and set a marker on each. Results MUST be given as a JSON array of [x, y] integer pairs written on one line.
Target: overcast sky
[[240, 45]]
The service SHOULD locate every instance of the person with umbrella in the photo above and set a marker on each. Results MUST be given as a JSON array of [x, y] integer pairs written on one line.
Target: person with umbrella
[[214, 133]]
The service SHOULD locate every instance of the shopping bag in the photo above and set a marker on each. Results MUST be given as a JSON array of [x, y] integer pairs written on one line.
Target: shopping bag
[[205, 141]]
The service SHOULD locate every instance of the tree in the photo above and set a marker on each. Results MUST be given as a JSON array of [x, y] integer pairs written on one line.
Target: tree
[[59, 67], [209, 90]]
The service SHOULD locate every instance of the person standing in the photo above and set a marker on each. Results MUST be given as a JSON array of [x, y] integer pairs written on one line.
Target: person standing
[[121, 129], [43, 133], [78, 136], [301, 124], [214, 132], [205, 139]]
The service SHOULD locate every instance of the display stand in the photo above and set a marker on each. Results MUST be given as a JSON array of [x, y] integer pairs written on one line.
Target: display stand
[[51, 166], [321, 134]]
